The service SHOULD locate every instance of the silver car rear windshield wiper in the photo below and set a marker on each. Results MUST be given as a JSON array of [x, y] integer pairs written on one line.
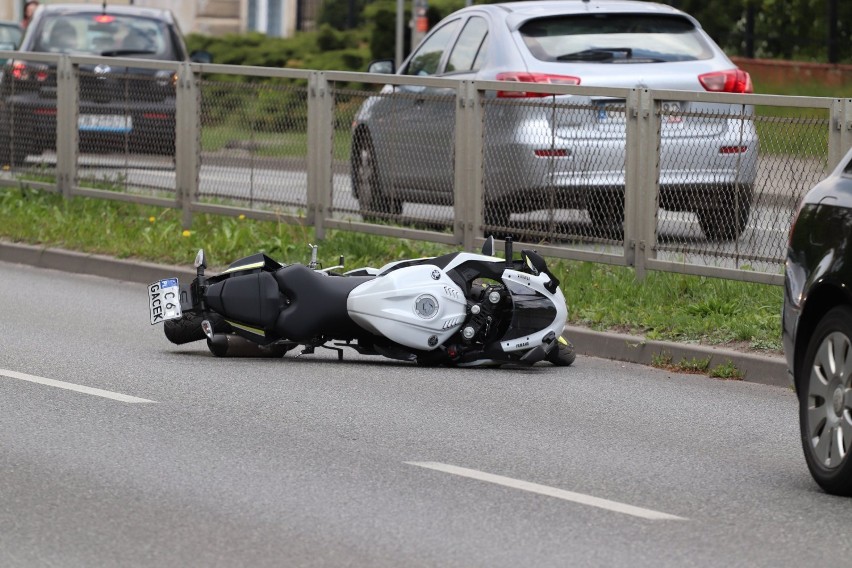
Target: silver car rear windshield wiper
[[597, 54], [120, 52]]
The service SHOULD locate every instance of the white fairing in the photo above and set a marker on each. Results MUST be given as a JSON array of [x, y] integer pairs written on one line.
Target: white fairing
[[417, 306]]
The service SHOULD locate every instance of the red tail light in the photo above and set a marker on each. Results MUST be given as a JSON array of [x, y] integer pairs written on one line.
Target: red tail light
[[22, 71], [541, 78], [552, 153], [730, 81]]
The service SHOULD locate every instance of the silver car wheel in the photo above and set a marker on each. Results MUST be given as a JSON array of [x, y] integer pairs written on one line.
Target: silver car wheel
[[366, 173], [829, 401]]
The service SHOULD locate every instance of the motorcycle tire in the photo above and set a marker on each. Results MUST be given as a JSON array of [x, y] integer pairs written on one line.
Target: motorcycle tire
[[187, 328], [563, 355]]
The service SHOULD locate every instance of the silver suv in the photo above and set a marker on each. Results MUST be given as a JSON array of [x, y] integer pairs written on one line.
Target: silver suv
[[566, 151]]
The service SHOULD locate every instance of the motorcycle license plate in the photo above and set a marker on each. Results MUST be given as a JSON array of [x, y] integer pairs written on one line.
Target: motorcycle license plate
[[164, 300]]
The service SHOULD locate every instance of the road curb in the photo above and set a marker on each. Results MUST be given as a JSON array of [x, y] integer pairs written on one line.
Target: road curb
[[620, 347], [763, 369]]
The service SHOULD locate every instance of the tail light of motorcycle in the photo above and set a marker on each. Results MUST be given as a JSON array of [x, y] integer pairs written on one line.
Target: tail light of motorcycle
[[728, 81], [538, 78]]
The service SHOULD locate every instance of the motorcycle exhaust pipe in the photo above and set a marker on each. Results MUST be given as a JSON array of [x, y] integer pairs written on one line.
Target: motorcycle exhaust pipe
[[230, 345]]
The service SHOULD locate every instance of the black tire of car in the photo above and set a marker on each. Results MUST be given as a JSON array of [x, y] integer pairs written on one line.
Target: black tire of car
[[564, 354], [18, 152], [372, 202], [727, 221], [606, 211], [497, 214], [835, 480], [12, 152]]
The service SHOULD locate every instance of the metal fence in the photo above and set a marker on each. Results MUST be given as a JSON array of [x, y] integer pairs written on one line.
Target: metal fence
[[699, 183]]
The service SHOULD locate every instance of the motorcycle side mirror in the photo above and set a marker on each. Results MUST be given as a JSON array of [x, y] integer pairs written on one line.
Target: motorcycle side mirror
[[200, 259], [488, 246]]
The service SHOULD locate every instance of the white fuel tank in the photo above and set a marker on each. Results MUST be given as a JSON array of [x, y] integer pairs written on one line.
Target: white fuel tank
[[417, 306]]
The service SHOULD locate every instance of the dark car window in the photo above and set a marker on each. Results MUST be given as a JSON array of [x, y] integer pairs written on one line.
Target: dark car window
[[428, 56], [471, 42], [10, 34], [615, 38], [848, 169], [105, 34]]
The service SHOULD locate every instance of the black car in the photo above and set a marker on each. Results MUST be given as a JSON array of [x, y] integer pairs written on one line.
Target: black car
[[817, 327], [120, 108]]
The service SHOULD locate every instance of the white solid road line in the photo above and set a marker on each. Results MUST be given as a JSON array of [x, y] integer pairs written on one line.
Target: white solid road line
[[72, 387], [550, 491]]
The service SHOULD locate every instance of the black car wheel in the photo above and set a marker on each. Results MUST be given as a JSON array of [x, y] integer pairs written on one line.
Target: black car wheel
[[727, 220], [497, 215], [825, 402], [372, 202], [606, 211], [14, 148]]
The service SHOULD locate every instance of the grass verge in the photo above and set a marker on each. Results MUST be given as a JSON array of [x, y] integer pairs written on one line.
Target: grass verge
[[664, 306]]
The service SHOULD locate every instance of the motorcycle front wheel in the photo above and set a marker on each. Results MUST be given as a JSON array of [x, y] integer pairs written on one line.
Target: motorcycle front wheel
[[564, 354]]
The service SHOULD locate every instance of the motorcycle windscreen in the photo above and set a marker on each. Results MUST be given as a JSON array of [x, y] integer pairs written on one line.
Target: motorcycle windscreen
[[531, 312]]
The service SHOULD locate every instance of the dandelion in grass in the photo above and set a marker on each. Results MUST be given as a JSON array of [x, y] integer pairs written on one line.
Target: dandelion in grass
[[241, 217], [186, 233], [151, 219]]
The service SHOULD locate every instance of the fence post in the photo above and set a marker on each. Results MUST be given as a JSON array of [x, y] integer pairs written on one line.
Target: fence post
[[187, 141], [846, 129], [67, 97], [839, 131], [320, 188], [467, 181], [641, 180]]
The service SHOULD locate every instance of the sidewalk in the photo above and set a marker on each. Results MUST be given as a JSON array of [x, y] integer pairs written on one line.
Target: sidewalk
[[768, 370]]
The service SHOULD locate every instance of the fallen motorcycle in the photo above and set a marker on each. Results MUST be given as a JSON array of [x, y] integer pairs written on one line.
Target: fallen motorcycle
[[459, 309]]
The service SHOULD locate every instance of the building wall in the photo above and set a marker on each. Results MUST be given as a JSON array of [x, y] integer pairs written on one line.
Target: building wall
[[211, 17]]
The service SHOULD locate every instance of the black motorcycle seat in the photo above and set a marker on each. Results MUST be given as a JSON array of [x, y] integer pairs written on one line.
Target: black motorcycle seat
[[317, 304], [251, 299]]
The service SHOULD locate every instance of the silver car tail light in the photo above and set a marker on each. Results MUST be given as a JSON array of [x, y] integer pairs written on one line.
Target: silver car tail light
[[728, 81], [540, 78]]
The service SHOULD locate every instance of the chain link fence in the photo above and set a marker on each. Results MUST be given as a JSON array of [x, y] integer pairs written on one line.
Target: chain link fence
[[702, 183]]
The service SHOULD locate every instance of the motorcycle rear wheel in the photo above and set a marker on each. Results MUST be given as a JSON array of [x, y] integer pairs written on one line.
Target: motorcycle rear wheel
[[187, 328]]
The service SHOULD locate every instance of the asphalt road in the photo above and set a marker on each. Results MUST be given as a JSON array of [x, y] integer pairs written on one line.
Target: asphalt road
[[317, 462]]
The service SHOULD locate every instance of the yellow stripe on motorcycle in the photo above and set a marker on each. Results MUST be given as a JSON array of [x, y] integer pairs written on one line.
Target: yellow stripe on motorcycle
[[253, 330], [244, 267]]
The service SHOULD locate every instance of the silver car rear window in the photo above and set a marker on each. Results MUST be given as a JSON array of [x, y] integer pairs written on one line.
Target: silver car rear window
[[615, 38], [105, 34]]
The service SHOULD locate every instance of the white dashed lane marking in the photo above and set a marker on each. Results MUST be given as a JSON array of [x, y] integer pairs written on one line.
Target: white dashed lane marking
[[550, 491], [72, 387]]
